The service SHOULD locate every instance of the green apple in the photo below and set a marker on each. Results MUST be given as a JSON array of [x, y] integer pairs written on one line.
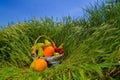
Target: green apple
[[40, 45], [56, 54]]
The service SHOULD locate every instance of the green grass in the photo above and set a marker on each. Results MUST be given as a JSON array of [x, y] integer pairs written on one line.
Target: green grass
[[91, 47]]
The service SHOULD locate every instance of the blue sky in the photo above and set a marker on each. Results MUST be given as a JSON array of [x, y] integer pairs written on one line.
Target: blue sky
[[20, 10]]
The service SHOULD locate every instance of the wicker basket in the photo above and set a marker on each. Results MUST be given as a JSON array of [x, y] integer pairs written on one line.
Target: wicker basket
[[53, 60]]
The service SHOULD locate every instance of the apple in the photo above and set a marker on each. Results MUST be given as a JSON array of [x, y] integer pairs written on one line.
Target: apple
[[59, 50]]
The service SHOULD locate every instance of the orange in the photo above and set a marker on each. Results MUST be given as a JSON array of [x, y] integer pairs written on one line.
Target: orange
[[48, 51], [40, 64]]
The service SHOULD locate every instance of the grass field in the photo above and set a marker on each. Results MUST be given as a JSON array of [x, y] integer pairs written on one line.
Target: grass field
[[91, 44]]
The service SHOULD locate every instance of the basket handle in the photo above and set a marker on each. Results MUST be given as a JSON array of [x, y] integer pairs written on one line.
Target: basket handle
[[44, 36]]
